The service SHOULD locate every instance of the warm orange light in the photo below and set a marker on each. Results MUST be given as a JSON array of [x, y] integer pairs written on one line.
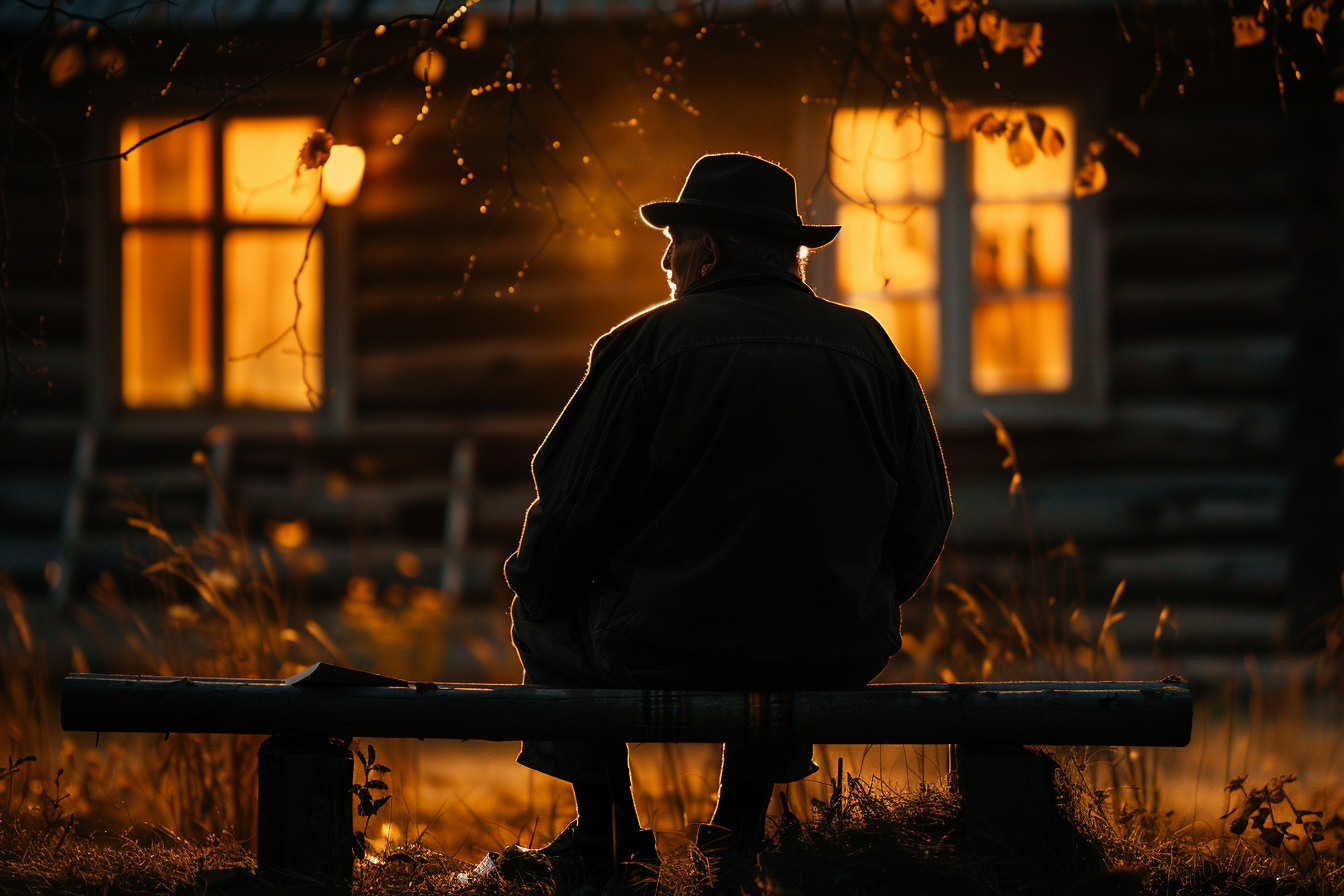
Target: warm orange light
[[893, 248], [1021, 345], [996, 177], [165, 317], [1020, 326], [167, 178], [290, 535], [343, 174], [259, 307], [429, 66], [887, 155], [888, 266], [912, 324], [1020, 246], [262, 177]]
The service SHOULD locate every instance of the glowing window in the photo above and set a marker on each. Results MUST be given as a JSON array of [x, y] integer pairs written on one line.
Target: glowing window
[[265, 366], [1021, 320], [261, 180], [887, 166], [172, 292], [165, 317]]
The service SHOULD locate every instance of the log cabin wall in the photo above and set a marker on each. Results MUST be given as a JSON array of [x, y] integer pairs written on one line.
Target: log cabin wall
[[445, 384]]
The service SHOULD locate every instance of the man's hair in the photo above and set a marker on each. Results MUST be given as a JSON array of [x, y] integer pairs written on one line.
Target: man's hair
[[745, 246]]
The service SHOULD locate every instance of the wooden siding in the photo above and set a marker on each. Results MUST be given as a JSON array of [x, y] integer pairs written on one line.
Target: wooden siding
[[1180, 489]]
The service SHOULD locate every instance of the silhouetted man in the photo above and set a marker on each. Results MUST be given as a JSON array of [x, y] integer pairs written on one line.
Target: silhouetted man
[[742, 492]]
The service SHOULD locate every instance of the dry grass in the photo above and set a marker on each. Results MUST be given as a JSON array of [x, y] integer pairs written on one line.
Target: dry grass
[[137, 814]]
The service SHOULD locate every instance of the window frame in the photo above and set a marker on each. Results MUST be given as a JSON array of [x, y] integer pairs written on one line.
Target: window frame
[[954, 402], [336, 226]]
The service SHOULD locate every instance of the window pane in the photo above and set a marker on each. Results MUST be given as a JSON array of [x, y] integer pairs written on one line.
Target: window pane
[[893, 248], [265, 367], [995, 172], [885, 155], [912, 324], [1020, 246], [168, 177], [165, 317], [1021, 345], [262, 178]]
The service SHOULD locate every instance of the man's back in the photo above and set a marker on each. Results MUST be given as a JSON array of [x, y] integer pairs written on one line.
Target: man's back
[[741, 493]]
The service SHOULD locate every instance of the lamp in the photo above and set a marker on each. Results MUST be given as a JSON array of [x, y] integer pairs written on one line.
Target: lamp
[[429, 66], [342, 174]]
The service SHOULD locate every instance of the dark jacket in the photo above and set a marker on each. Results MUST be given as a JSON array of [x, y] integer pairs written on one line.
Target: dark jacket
[[742, 492]]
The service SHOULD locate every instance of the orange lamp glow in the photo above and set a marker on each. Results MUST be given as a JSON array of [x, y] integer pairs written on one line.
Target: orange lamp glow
[[343, 174], [429, 66]]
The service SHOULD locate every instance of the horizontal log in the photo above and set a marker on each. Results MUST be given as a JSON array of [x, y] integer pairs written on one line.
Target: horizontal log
[[1257, 364], [1249, 426], [1163, 296], [1129, 713], [1255, 234], [1223, 567], [1148, 505]]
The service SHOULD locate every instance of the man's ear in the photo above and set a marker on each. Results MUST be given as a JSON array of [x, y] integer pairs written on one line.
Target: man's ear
[[711, 248]]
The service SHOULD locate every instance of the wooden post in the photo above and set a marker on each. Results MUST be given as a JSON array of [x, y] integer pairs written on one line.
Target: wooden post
[[305, 828], [1007, 799]]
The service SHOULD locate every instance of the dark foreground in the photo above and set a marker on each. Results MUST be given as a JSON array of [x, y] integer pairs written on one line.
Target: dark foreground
[[864, 840]]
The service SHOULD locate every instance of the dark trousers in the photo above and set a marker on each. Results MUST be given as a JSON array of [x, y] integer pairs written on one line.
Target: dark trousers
[[554, 654]]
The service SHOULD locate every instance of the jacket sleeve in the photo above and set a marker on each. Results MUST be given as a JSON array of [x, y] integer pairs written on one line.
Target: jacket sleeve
[[587, 474], [922, 513]]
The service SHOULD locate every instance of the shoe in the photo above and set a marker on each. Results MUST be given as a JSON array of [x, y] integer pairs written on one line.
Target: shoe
[[731, 861], [578, 864], [637, 872]]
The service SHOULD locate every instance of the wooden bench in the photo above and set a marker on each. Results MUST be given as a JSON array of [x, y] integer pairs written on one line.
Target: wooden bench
[[305, 823]]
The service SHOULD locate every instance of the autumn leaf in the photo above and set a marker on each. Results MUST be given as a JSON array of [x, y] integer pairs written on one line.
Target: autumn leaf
[[965, 28], [316, 149], [1037, 125], [962, 7], [1091, 178], [900, 10], [934, 11], [1339, 94], [65, 65], [1314, 18], [1005, 35], [990, 125], [1339, 459], [1032, 46], [1020, 150], [1053, 141], [1247, 30]]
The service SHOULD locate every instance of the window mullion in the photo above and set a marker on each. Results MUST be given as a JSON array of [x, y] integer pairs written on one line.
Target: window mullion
[[218, 227], [955, 292]]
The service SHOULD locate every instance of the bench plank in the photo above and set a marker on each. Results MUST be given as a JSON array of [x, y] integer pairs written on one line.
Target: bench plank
[[1062, 713]]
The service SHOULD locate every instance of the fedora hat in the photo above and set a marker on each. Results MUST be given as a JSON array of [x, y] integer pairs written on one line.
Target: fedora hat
[[733, 189]]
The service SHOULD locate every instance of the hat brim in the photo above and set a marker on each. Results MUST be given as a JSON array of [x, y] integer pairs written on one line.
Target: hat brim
[[669, 214]]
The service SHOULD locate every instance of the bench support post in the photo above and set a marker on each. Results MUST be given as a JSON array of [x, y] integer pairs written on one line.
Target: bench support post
[[1008, 799], [305, 827]]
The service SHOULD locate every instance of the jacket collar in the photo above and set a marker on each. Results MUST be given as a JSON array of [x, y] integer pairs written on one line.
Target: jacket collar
[[737, 276]]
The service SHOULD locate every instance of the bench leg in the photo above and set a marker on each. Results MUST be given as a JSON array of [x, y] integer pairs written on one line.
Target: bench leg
[[1008, 799], [305, 827]]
